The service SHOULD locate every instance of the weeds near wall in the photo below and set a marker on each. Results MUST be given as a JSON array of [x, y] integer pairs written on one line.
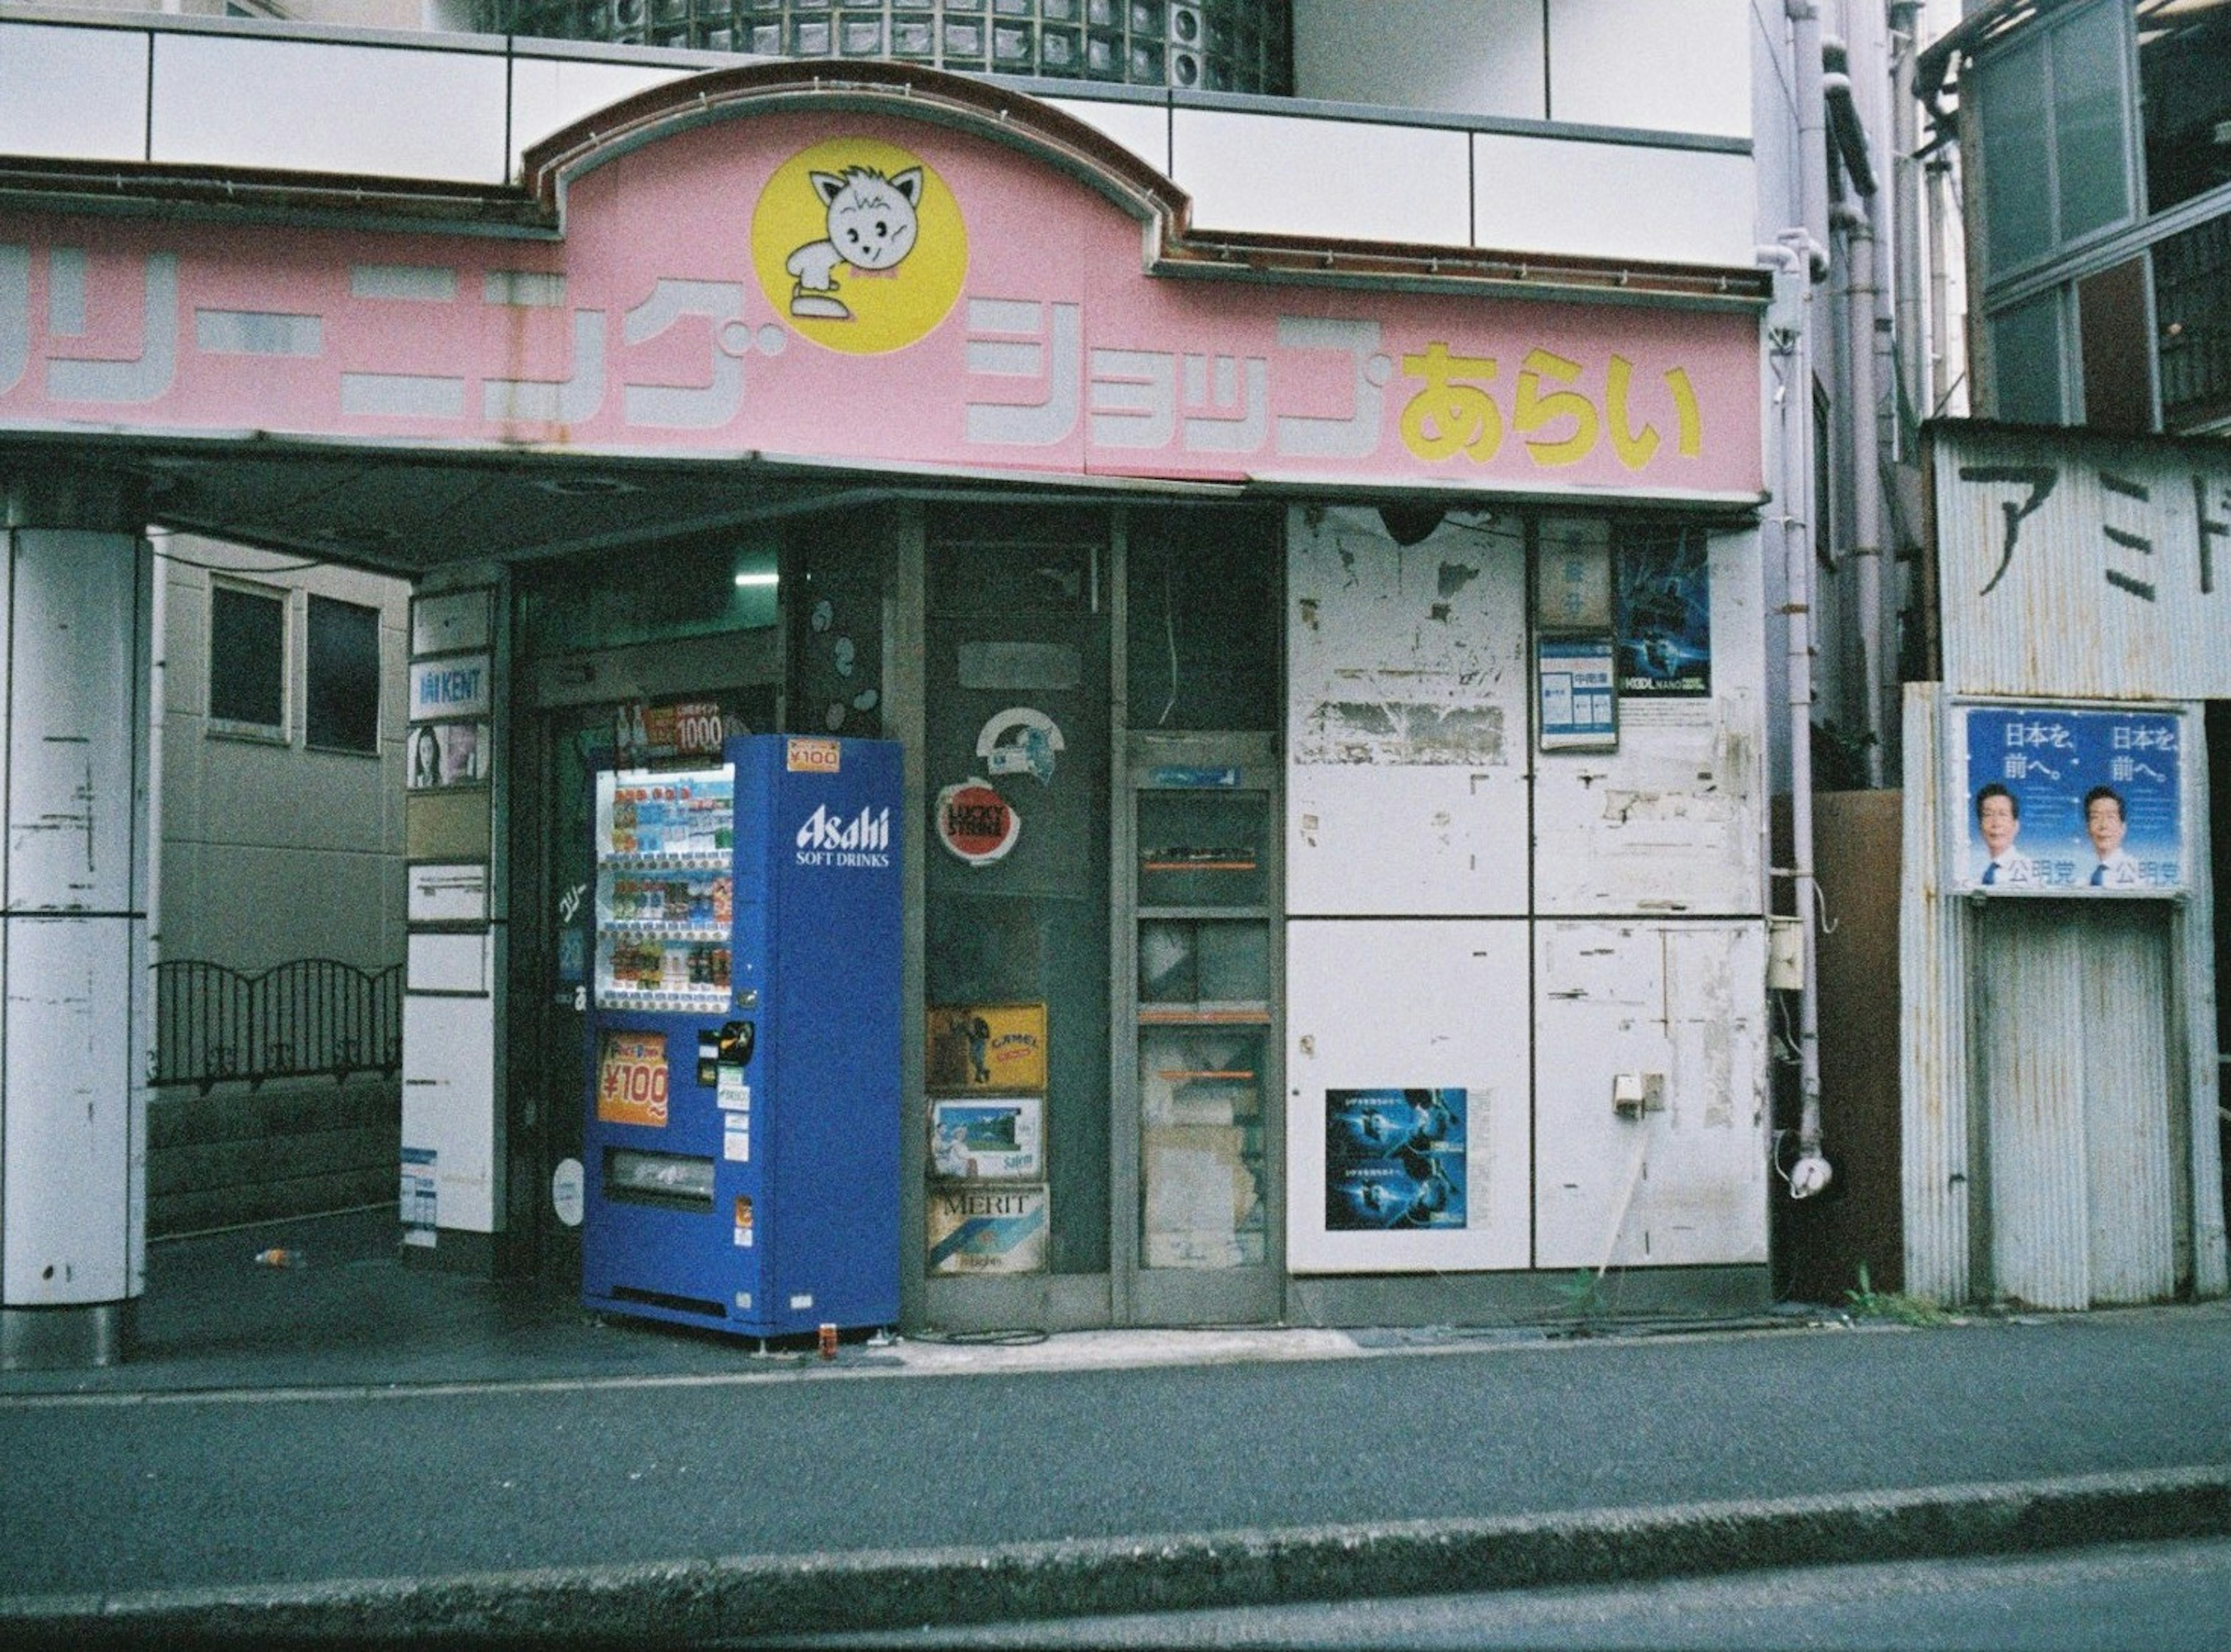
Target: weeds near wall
[[1583, 1294], [1892, 1307]]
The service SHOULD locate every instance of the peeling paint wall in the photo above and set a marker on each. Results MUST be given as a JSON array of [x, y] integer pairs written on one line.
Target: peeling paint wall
[[1407, 723], [1632, 882], [1674, 820], [1681, 1007], [75, 1031]]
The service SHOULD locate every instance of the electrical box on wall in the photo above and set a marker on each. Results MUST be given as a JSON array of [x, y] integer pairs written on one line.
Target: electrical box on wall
[[1634, 1094], [1785, 954]]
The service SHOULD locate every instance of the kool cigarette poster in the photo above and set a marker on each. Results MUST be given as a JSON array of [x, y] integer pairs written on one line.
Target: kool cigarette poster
[[1394, 1159]]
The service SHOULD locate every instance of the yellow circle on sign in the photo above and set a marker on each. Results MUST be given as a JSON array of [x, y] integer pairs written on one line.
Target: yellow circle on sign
[[859, 246]]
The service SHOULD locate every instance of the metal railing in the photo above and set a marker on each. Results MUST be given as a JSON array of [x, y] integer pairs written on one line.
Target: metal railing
[[309, 1018]]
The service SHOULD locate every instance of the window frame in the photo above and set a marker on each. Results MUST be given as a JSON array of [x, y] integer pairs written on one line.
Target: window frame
[[2046, 38], [217, 725], [310, 740]]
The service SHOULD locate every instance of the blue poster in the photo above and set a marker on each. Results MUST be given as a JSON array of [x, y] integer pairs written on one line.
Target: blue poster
[[2064, 802], [1394, 1158], [1664, 605]]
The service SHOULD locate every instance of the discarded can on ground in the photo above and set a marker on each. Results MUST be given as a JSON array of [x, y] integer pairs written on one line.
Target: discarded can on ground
[[828, 1342], [279, 1256]]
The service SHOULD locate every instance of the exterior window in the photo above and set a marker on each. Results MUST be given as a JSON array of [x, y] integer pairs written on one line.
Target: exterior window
[[2184, 80], [2025, 362], [342, 708], [2066, 84], [247, 659], [2088, 124]]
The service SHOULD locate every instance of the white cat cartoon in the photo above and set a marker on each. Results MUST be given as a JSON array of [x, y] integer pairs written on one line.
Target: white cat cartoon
[[871, 228]]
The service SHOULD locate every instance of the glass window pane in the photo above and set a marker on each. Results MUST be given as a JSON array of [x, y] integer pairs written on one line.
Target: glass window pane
[[247, 655], [1202, 849], [2025, 362], [342, 708], [2017, 188], [1200, 1147], [724, 582], [2087, 76], [1209, 965], [1204, 610], [2185, 87]]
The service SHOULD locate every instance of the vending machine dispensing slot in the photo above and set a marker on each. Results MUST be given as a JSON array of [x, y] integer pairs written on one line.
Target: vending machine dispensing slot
[[743, 1040]]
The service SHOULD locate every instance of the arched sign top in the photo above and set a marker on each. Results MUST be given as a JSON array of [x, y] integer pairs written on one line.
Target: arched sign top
[[1038, 130], [892, 272]]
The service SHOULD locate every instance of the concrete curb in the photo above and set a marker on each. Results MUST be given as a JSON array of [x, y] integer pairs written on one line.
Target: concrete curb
[[702, 1602]]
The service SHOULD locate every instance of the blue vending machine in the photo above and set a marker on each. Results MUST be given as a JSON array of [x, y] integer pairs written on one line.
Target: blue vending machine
[[742, 1143]]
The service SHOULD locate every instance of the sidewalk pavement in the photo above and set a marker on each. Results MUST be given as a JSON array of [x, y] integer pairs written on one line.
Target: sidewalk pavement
[[352, 1449]]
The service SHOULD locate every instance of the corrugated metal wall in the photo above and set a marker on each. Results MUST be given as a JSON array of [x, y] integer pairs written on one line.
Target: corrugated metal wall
[[2059, 1064], [2075, 566], [1933, 1014], [2073, 1017]]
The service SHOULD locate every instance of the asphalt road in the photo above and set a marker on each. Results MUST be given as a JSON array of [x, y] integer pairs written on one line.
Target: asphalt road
[[110, 1493]]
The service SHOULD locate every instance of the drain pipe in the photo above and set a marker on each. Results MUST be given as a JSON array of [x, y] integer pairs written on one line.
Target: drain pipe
[[1863, 293], [1906, 213], [1802, 254], [1789, 345], [1863, 287]]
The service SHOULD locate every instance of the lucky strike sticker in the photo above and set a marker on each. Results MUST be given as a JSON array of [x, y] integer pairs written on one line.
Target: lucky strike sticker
[[975, 822]]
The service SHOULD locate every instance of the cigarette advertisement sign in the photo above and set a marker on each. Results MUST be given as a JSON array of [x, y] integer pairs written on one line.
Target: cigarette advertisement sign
[[1394, 1159], [987, 1230], [987, 1047], [631, 1079], [2069, 801], [991, 1136]]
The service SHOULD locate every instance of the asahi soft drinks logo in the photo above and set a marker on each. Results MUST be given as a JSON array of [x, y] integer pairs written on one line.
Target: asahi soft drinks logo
[[831, 840]]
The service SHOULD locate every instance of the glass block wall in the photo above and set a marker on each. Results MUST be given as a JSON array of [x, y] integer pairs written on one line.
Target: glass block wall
[[1204, 45]]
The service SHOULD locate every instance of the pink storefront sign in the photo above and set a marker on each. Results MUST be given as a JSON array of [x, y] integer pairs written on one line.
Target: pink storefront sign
[[853, 288]]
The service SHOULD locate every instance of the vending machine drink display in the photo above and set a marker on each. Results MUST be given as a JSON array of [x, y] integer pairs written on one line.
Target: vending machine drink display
[[742, 1139]]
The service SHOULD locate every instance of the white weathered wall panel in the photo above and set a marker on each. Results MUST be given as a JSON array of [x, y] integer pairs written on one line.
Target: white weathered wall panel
[[1671, 65], [46, 110], [1551, 194], [1289, 175], [1675, 819], [326, 107], [1406, 731], [1410, 1004], [449, 1104], [1143, 128], [1686, 1001], [74, 661], [69, 1108], [550, 93], [448, 107]]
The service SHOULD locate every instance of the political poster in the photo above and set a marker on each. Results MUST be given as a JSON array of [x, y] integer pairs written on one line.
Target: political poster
[[2069, 801]]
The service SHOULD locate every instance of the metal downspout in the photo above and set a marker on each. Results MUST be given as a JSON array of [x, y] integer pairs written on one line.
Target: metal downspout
[[1808, 244], [1905, 220], [1863, 292]]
